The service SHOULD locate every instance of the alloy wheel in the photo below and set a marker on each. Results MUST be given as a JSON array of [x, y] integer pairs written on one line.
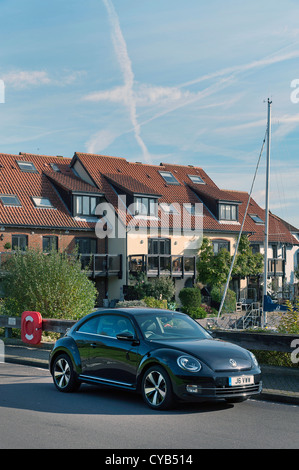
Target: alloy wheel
[[155, 388], [62, 373]]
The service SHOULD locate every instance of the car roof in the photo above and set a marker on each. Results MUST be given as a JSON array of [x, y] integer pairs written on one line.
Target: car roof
[[132, 310]]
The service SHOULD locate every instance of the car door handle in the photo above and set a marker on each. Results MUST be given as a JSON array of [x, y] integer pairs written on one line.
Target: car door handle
[[93, 345]]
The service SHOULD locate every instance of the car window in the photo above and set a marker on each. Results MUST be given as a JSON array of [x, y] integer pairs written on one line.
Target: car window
[[166, 325], [107, 325], [89, 326]]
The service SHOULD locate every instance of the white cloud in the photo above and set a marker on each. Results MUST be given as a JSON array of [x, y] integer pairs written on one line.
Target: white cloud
[[99, 141], [143, 95], [26, 78], [124, 61]]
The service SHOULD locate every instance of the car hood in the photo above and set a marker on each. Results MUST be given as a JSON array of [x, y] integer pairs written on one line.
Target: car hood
[[218, 355]]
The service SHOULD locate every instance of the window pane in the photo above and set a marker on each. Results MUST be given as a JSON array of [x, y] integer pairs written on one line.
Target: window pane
[[196, 179], [19, 242], [86, 209], [137, 205], [168, 177], [152, 207], [50, 243], [143, 206], [219, 245], [93, 205], [86, 245], [42, 202], [234, 212], [27, 166], [10, 200], [222, 212], [78, 204], [90, 326]]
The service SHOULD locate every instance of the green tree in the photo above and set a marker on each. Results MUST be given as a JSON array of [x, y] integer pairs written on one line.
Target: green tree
[[247, 263], [289, 321], [161, 288], [52, 284], [212, 269]]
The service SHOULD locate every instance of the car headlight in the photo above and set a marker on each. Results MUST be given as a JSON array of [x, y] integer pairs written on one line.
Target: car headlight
[[189, 363], [254, 359]]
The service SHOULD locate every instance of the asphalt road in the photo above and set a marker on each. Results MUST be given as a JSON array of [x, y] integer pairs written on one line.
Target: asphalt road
[[33, 415]]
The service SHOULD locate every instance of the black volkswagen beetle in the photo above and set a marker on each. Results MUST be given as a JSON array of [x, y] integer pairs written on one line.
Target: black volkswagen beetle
[[165, 355]]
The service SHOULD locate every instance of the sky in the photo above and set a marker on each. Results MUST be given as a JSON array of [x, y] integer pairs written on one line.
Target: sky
[[153, 81]]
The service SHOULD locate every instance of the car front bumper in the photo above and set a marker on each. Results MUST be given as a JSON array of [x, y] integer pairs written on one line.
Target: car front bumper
[[214, 388]]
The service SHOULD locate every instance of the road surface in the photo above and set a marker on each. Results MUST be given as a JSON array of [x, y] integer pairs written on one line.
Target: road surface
[[34, 415]]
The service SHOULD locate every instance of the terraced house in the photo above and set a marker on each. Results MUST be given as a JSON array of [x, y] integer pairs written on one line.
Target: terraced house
[[127, 218]]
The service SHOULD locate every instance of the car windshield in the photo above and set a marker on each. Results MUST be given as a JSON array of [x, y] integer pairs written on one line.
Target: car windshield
[[170, 326]]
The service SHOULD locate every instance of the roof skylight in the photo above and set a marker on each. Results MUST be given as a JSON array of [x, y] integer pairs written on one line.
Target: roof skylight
[[27, 166], [168, 177]]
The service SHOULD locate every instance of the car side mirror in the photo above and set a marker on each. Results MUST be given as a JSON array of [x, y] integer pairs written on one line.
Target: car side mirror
[[126, 336]]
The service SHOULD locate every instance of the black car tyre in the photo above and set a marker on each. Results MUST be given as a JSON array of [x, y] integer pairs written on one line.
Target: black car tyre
[[64, 376], [156, 389]]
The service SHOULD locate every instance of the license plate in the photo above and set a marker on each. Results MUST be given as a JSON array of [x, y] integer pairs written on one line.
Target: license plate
[[241, 380]]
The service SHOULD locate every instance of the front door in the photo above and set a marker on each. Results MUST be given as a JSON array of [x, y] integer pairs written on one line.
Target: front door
[[110, 359]]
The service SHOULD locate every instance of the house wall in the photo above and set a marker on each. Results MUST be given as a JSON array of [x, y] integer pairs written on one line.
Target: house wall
[[66, 241]]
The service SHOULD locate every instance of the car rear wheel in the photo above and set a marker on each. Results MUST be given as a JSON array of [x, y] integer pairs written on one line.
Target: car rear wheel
[[64, 376], [156, 389]]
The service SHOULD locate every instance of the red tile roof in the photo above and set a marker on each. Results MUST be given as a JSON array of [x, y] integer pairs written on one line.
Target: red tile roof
[[113, 176], [145, 178], [278, 231], [13, 181]]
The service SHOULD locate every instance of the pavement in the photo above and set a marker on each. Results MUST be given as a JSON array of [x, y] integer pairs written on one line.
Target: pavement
[[280, 384]]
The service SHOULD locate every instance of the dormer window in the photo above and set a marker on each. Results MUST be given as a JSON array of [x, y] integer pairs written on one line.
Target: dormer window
[[27, 167], [168, 177], [228, 212], [85, 205], [145, 206]]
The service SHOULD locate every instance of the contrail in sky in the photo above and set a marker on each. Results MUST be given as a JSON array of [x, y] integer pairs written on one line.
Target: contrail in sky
[[126, 68]]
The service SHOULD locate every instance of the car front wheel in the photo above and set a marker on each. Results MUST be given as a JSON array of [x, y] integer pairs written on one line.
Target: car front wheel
[[156, 389], [64, 376]]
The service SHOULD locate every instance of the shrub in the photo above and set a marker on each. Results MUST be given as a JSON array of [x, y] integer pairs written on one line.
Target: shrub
[[190, 298], [230, 298], [52, 284], [155, 303], [197, 312], [289, 321], [159, 288], [130, 304], [162, 288]]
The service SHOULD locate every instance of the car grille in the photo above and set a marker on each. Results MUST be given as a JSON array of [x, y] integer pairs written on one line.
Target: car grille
[[231, 391]]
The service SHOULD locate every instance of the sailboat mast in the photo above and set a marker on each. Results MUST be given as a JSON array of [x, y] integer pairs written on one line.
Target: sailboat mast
[[267, 212]]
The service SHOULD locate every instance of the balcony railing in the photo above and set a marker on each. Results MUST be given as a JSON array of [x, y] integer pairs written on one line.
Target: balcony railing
[[276, 267], [96, 265], [163, 265]]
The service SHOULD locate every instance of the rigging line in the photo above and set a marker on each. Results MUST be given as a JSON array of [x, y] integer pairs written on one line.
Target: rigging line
[[241, 229]]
